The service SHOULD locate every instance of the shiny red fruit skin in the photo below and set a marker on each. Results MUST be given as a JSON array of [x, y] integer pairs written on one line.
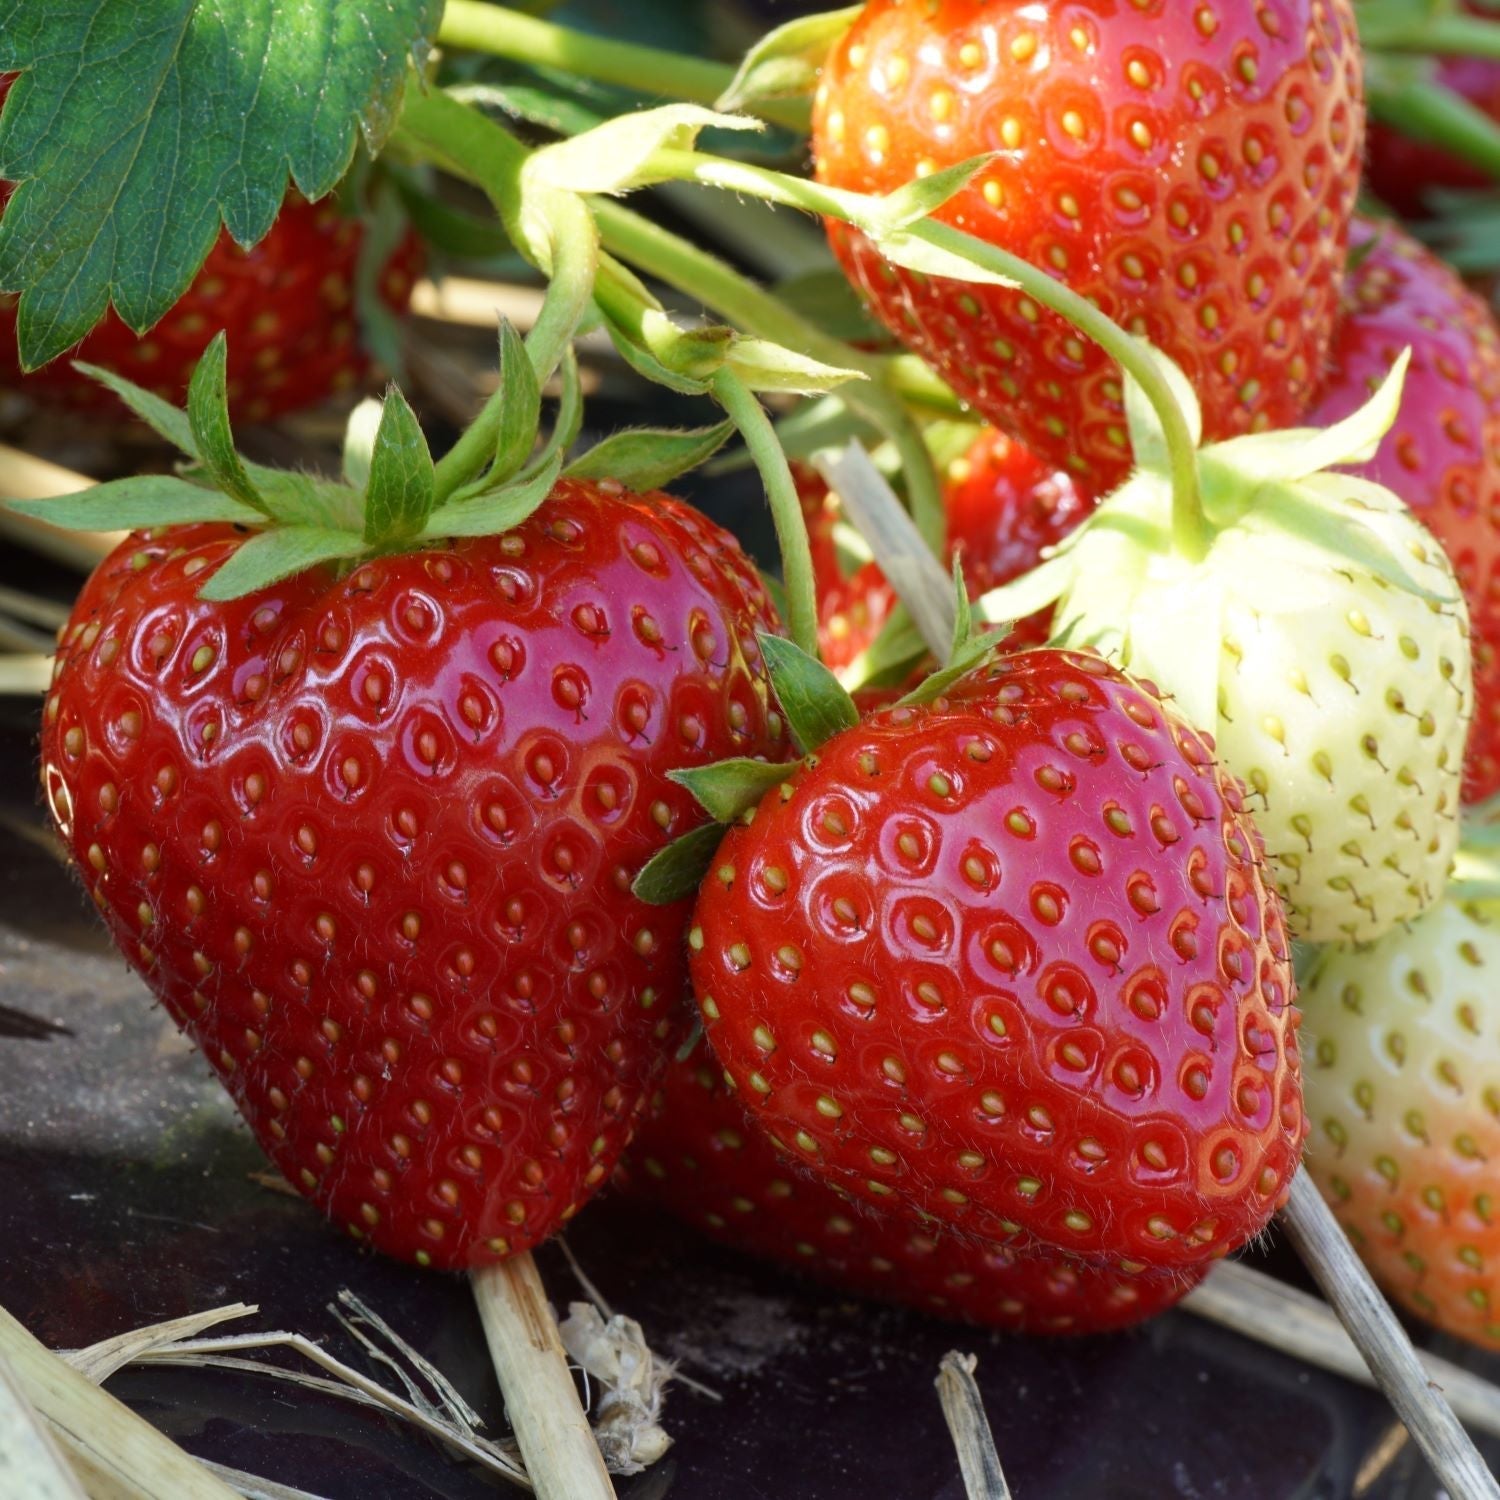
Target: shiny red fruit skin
[[1005, 508], [1011, 961], [287, 306], [698, 1155], [1443, 454], [1189, 168], [370, 840]]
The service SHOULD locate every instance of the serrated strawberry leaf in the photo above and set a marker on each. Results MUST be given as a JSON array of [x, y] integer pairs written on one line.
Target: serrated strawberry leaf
[[786, 62], [521, 413], [270, 556], [399, 496], [141, 500], [494, 511], [815, 703], [208, 417], [678, 871], [134, 129], [164, 419], [646, 458], [731, 787]]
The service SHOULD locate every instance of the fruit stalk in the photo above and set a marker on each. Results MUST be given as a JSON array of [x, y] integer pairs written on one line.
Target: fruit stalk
[[1383, 1343], [501, 32], [963, 1408], [556, 1441]]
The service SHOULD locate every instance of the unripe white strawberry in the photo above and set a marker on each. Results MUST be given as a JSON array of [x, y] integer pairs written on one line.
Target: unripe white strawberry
[[1319, 634], [1403, 1096]]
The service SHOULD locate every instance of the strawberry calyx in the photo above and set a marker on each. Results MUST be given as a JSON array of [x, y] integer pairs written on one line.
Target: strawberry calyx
[[1279, 517], [389, 498]]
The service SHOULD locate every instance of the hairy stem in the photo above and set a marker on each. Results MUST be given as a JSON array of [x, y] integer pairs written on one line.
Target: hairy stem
[[755, 427], [502, 32]]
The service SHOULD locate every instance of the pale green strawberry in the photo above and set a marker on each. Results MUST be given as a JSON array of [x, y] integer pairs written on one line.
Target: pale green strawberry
[[1402, 1048], [1321, 637]]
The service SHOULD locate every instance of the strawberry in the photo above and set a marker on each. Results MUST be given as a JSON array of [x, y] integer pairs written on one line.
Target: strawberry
[[700, 1156], [288, 305], [367, 825], [1308, 619], [1005, 509], [1442, 457], [1008, 960], [1403, 1094], [1190, 169]]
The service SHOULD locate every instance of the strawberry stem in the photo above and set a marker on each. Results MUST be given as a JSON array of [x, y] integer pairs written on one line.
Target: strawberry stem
[[1190, 529], [1416, 32], [765, 448], [501, 32]]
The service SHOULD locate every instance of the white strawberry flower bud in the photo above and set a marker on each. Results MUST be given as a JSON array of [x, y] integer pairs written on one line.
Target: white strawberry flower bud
[[1321, 638]]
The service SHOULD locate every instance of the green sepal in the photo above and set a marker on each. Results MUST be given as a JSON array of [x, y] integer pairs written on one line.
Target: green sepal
[[270, 556], [208, 416], [399, 495], [649, 367], [645, 458], [970, 648], [164, 419], [730, 788], [1037, 590], [521, 413], [494, 511], [676, 873], [765, 366], [891, 657], [786, 62], [140, 500], [1148, 442], [615, 157], [815, 702], [923, 196]]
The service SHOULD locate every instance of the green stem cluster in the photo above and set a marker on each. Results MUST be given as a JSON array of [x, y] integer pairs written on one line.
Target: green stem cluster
[[502, 32]]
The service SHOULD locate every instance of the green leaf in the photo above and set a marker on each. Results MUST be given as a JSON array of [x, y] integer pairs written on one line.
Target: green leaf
[[164, 419], [814, 701], [359, 441], [141, 500], [491, 512], [135, 127], [208, 415], [678, 871], [398, 498], [646, 458], [521, 413], [786, 62], [731, 787], [616, 157], [765, 366], [270, 556]]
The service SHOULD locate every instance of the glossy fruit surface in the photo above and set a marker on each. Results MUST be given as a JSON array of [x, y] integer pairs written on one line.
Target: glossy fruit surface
[[287, 305], [1010, 960], [370, 840], [1190, 168], [1403, 1096], [699, 1155], [1443, 455]]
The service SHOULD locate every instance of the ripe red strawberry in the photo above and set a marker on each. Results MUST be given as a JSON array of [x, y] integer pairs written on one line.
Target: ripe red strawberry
[[1005, 508], [1442, 457], [1011, 960], [370, 839], [1190, 169], [700, 1156], [288, 306]]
